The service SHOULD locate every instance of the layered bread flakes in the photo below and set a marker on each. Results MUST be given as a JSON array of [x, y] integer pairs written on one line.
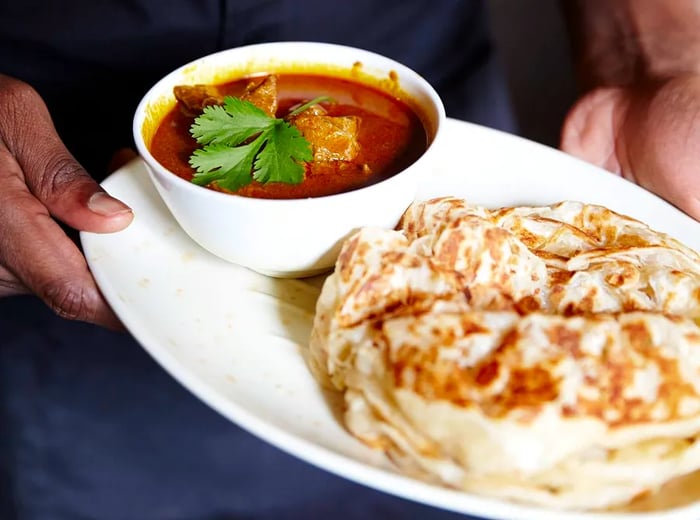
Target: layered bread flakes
[[549, 355]]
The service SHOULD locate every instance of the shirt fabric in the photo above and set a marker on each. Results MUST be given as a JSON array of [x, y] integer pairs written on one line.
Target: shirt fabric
[[90, 426]]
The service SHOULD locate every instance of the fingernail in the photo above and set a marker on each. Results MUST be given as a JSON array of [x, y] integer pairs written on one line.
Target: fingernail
[[104, 205]]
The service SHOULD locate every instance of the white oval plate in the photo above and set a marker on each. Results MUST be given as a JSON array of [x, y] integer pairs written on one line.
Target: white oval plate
[[236, 338]]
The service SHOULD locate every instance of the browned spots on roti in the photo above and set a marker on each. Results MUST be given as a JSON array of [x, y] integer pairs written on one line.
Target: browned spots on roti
[[631, 241], [475, 258], [528, 388], [527, 305], [344, 264], [486, 373], [566, 338]]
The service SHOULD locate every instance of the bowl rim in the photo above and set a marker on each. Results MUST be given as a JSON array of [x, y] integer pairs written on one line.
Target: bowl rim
[[401, 69]]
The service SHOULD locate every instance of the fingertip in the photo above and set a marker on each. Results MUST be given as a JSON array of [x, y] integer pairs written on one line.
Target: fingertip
[[589, 129], [105, 205], [109, 320], [115, 214], [116, 223], [691, 207]]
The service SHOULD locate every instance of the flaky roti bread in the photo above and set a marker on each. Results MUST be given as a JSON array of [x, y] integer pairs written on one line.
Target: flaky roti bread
[[549, 355]]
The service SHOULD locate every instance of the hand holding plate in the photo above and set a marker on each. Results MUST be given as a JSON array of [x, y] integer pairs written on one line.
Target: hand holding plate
[[39, 181], [649, 134]]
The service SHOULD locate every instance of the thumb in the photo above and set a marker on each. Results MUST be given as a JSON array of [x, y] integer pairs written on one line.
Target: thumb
[[591, 126], [51, 172], [661, 135]]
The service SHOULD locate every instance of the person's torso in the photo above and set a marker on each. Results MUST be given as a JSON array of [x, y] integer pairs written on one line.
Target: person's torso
[[92, 60]]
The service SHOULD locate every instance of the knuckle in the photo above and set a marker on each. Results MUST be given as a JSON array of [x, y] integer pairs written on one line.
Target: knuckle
[[69, 300], [60, 171]]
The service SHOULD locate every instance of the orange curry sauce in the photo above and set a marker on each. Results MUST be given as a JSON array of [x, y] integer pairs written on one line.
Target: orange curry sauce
[[391, 137]]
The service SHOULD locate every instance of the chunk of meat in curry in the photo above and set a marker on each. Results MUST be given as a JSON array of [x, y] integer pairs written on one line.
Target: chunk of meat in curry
[[194, 98], [332, 138], [263, 94]]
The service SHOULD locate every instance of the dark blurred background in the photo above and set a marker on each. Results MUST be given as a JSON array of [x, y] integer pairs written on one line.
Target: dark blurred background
[[532, 41]]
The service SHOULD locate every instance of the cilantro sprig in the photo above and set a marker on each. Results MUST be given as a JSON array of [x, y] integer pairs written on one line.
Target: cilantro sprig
[[240, 142]]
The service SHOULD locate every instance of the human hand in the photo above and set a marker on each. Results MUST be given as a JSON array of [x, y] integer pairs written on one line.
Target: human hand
[[41, 181], [648, 134]]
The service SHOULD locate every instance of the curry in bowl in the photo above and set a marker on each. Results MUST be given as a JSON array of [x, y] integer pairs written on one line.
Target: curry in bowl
[[288, 135], [269, 155]]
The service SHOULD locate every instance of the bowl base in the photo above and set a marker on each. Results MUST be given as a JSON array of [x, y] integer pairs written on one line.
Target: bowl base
[[294, 274]]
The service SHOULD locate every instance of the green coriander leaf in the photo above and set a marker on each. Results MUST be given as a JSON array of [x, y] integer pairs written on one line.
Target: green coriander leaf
[[231, 124], [279, 159], [274, 154], [228, 166]]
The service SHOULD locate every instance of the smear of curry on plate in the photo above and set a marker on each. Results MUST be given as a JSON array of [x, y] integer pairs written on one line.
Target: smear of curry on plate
[[358, 135]]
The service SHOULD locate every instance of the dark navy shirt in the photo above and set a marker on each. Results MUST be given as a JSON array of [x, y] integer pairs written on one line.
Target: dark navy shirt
[[92, 60], [90, 426]]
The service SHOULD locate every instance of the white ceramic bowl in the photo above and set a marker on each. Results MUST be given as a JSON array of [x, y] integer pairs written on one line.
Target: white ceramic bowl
[[296, 237]]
